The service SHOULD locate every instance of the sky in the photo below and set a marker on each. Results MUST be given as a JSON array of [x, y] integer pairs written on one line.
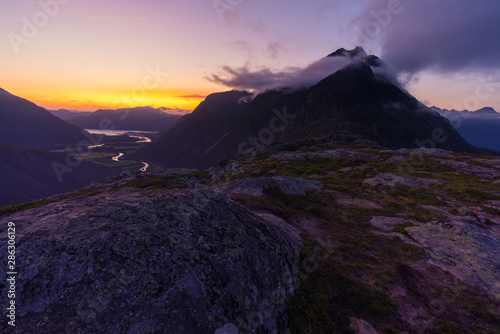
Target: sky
[[92, 54]]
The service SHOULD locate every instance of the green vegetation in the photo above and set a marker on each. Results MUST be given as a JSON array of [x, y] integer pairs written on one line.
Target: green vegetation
[[401, 228], [25, 206], [327, 296], [88, 192], [466, 193]]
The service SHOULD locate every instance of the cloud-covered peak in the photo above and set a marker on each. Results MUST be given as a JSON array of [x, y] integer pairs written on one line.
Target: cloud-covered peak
[[245, 78], [357, 52]]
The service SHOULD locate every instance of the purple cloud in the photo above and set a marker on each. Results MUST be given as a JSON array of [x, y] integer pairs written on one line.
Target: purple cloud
[[446, 35], [291, 77]]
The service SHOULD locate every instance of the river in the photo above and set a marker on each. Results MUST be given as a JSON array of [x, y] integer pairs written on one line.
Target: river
[[145, 168], [132, 134], [117, 157]]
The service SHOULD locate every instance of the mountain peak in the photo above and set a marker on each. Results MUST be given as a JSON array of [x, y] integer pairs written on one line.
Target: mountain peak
[[357, 51], [486, 110]]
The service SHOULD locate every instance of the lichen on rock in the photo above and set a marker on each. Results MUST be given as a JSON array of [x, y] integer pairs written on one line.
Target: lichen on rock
[[181, 262]]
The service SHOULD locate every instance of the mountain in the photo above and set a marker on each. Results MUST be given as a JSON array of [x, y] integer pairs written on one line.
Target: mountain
[[483, 112], [198, 132], [139, 118], [23, 123], [480, 128], [29, 174], [66, 115], [487, 111], [362, 96]]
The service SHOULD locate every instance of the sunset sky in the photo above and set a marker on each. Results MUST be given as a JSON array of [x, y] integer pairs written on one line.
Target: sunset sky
[[107, 54]]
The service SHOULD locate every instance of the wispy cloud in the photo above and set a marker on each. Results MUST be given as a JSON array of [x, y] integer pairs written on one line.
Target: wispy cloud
[[175, 111], [193, 97], [291, 77]]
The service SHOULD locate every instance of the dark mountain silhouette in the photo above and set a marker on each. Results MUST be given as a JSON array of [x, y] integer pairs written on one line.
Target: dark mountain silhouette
[[196, 133], [140, 118], [355, 96], [28, 174], [66, 114], [480, 128], [486, 111], [23, 123]]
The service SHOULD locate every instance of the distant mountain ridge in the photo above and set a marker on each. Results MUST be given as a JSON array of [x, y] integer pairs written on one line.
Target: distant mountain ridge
[[139, 118], [483, 111], [66, 114], [23, 123], [361, 95], [481, 127]]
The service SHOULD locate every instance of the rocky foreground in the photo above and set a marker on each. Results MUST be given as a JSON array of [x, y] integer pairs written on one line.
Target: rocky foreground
[[307, 238]]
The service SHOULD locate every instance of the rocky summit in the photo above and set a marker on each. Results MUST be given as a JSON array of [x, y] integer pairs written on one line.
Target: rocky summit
[[320, 237]]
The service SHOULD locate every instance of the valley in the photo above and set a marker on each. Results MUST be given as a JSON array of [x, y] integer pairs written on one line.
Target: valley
[[118, 149]]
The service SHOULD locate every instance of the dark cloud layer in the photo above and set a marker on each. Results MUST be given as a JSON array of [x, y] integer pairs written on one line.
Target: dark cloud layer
[[445, 35], [291, 77], [192, 96]]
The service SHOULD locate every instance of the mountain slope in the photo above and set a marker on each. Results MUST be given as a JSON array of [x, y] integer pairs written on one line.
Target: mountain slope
[[23, 123], [361, 94], [140, 118], [194, 134], [28, 174], [356, 94]]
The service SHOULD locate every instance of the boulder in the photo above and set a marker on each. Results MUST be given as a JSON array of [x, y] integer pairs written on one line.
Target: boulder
[[466, 250], [184, 261]]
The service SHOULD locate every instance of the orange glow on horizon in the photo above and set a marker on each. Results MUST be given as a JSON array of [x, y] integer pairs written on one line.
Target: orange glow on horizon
[[91, 101]]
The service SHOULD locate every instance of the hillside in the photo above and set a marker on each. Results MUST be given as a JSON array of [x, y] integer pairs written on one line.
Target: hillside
[[186, 143], [23, 123], [28, 174]]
